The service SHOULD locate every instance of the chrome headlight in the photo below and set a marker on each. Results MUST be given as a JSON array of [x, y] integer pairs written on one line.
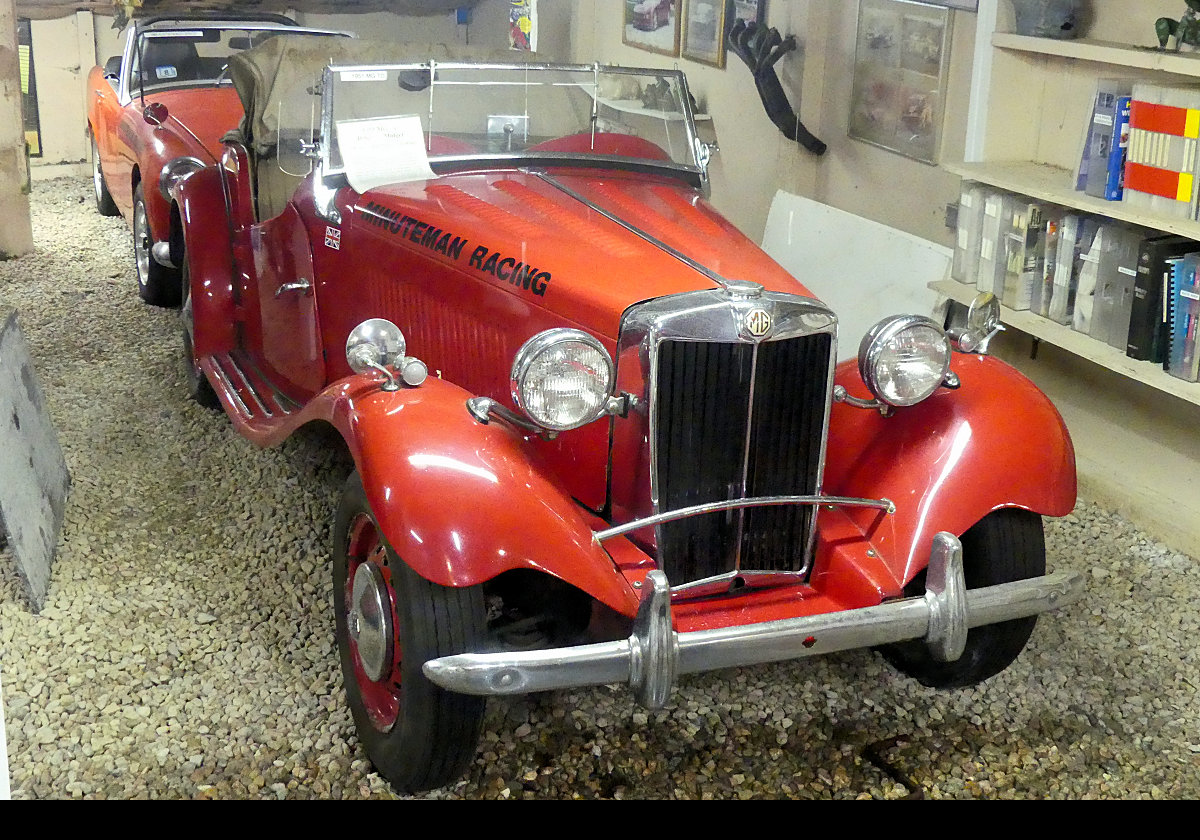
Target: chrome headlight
[[562, 379], [175, 171], [904, 359]]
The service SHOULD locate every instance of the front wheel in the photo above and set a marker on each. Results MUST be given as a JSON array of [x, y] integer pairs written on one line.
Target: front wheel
[[198, 386], [1004, 546], [390, 621], [157, 284]]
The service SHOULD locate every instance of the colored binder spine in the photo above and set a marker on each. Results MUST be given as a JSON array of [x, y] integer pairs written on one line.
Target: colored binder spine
[[1162, 154]]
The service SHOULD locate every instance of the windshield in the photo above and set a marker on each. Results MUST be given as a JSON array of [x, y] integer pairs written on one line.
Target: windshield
[[394, 122], [189, 57]]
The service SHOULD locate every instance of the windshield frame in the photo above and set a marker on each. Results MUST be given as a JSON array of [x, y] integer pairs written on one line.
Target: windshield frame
[[134, 48], [694, 173]]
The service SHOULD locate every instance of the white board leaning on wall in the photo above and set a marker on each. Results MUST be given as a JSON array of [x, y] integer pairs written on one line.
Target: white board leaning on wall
[[861, 269]]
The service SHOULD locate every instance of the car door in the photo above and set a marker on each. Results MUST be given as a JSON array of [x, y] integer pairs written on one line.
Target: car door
[[289, 341], [103, 114]]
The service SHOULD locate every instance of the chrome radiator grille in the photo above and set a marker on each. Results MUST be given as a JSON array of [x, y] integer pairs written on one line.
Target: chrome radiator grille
[[738, 420]]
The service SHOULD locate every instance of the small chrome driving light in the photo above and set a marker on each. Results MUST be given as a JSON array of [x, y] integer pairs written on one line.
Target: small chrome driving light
[[377, 344], [174, 171], [903, 359], [562, 379]]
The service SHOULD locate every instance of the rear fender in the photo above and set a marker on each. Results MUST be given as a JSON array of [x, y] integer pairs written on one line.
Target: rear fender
[[201, 201], [462, 502], [995, 442]]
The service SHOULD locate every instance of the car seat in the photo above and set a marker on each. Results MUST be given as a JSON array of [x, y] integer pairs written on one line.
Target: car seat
[[169, 60]]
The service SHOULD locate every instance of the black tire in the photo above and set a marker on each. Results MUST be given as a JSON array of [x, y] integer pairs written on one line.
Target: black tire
[[157, 284], [105, 205], [198, 386], [417, 735], [1004, 546]]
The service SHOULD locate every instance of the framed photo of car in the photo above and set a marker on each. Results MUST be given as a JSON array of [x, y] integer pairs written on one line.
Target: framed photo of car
[[703, 31], [900, 66], [652, 25]]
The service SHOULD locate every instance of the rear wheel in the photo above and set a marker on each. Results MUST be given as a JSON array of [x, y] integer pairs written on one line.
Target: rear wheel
[[1004, 546], [105, 205], [390, 621], [157, 284]]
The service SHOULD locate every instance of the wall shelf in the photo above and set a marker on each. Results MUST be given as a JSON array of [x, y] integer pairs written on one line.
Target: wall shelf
[[1103, 52], [1133, 424], [1079, 344], [1054, 184]]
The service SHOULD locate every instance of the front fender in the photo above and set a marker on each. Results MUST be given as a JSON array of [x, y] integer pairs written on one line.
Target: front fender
[[209, 253], [462, 502], [997, 441]]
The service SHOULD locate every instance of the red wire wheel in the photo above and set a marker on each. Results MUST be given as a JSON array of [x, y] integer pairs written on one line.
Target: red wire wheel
[[390, 621], [370, 603]]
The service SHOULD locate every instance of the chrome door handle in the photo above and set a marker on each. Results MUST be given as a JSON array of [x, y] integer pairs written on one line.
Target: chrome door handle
[[302, 286]]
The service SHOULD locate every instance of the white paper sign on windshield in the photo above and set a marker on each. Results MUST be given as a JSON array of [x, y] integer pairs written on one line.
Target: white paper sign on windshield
[[383, 150]]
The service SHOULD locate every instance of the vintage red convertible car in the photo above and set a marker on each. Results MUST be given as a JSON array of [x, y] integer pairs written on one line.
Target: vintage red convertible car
[[599, 436], [649, 15], [165, 99]]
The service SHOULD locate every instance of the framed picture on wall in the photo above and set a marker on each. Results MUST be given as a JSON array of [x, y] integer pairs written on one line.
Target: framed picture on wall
[[901, 61], [704, 31], [751, 11], [652, 25]]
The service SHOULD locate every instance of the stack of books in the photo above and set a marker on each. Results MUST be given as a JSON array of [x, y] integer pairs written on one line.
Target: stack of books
[[1134, 289]]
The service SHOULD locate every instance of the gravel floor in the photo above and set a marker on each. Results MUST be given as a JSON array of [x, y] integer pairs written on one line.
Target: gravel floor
[[186, 649]]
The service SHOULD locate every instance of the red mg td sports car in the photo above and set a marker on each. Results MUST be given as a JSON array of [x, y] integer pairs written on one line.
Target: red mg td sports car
[[165, 99], [599, 436]]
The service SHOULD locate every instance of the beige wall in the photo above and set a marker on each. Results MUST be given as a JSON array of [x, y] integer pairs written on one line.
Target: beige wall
[[488, 27], [63, 53], [869, 181], [756, 159]]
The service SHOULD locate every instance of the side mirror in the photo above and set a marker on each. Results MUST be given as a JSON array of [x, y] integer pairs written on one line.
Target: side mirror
[[983, 324], [155, 113], [112, 67]]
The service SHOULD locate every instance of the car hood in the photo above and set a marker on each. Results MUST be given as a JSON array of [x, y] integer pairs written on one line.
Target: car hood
[[200, 117], [595, 243]]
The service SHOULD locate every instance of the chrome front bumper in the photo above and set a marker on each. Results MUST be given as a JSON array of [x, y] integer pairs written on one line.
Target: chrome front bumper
[[651, 658]]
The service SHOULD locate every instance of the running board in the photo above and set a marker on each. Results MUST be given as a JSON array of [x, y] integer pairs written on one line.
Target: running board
[[251, 393]]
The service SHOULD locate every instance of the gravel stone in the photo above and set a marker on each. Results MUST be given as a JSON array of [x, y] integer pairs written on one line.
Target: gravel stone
[[187, 651]]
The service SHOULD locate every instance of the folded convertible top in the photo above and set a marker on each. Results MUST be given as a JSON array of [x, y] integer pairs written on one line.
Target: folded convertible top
[[279, 81]]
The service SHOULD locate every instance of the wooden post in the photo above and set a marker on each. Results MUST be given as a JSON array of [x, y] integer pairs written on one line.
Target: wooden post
[[16, 231]]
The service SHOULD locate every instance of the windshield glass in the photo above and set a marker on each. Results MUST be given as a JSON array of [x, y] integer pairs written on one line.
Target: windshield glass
[[189, 57], [404, 117]]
